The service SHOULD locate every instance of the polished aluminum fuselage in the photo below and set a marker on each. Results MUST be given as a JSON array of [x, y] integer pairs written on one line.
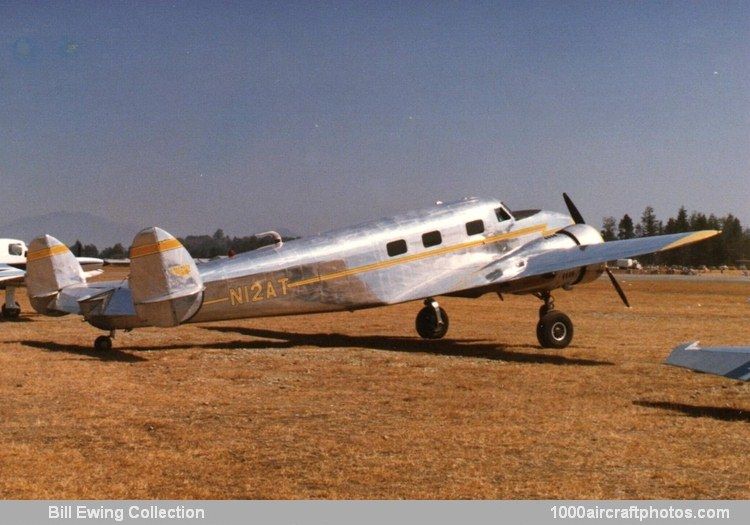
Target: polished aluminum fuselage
[[350, 268], [464, 249]]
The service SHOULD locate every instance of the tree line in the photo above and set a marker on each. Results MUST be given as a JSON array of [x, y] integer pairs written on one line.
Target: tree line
[[728, 248], [199, 246], [732, 246]]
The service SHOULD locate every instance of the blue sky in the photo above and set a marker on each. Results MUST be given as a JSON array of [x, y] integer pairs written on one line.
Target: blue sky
[[310, 115]]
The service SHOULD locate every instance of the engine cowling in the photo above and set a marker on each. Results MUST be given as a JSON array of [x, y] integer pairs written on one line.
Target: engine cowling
[[582, 234], [568, 237]]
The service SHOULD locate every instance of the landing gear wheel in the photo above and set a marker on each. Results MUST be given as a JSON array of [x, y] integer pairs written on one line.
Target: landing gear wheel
[[554, 330], [103, 343], [427, 323], [11, 312]]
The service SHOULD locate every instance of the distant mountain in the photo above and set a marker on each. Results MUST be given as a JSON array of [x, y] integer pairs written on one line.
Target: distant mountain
[[69, 226], [86, 227]]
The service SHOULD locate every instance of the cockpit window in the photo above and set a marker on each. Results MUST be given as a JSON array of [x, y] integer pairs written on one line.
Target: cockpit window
[[522, 214], [502, 215], [15, 249]]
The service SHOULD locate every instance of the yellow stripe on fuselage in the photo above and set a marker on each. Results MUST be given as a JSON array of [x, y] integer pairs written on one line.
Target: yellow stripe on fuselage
[[693, 237], [46, 252], [157, 247], [417, 256], [214, 301]]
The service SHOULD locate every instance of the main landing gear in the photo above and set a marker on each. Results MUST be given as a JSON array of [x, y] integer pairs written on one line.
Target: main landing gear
[[103, 343], [554, 329], [11, 312], [11, 309], [432, 321]]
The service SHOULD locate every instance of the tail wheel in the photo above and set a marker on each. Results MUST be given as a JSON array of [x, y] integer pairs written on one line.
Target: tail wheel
[[103, 343], [554, 330], [427, 323]]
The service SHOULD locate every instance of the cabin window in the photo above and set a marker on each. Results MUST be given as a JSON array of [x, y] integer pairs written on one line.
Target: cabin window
[[15, 249], [502, 215], [396, 247], [475, 227], [431, 239]]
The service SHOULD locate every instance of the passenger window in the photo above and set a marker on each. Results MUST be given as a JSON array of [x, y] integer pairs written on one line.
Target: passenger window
[[475, 227], [502, 215], [431, 239], [396, 247], [15, 249]]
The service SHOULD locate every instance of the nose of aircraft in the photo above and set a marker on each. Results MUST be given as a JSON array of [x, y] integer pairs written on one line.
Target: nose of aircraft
[[560, 220]]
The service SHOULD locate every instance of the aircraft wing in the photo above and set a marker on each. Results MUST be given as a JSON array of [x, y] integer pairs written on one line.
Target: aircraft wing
[[522, 264], [731, 362], [472, 276], [9, 274]]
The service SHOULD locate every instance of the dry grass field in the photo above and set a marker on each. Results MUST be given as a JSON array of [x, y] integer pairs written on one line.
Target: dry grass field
[[354, 405]]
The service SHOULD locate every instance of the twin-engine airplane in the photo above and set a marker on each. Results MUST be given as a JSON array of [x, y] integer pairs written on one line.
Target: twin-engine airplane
[[463, 249], [12, 263]]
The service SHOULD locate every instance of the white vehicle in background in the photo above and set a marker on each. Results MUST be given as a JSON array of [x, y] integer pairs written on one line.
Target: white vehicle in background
[[13, 271], [628, 264]]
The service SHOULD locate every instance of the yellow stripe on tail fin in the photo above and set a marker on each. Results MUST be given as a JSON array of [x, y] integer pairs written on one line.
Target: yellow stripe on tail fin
[[50, 267], [166, 286]]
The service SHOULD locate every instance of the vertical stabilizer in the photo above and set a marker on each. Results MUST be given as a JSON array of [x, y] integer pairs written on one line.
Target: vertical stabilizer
[[166, 286], [50, 267]]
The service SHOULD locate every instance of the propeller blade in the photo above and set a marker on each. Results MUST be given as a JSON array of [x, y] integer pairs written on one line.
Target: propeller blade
[[574, 213], [617, 287]]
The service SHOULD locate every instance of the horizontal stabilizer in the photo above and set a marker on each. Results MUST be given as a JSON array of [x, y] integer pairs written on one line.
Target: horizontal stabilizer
[[729, 361], [116, 262], [93, 273], [90, 263], [166, 286]]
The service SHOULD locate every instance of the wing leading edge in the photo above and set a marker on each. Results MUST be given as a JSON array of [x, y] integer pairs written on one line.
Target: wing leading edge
[[523, 264], [9, 274]]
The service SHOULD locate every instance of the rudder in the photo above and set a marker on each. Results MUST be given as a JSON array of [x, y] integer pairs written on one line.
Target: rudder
[[166, 286], [50, 267]]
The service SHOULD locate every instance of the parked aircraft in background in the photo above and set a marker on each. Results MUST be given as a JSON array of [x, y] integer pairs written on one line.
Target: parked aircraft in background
[[13, 254], [728, 361], [464, 249]]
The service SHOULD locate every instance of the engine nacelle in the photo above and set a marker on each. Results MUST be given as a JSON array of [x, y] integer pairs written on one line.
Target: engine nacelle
[[568, 237], [582, 234]]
